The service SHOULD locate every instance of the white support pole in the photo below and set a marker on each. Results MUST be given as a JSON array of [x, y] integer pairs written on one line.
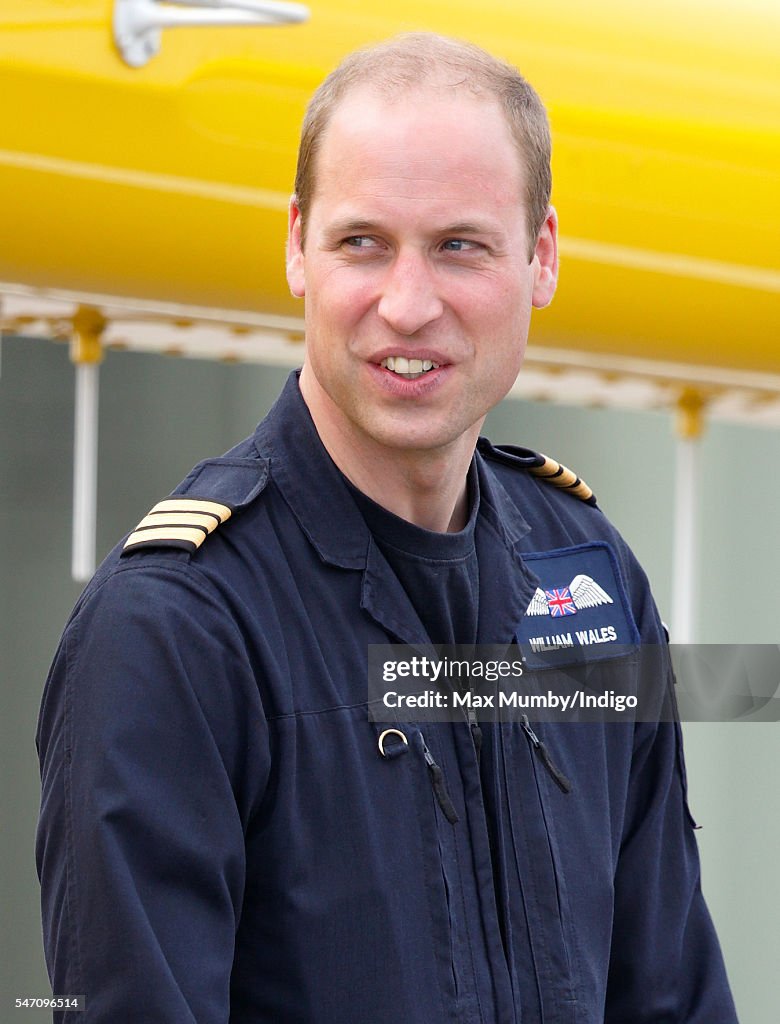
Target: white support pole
[[685, 564], [86, 354], [85, 471]]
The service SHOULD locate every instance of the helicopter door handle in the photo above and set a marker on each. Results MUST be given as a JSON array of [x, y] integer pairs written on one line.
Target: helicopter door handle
[[138, 24]]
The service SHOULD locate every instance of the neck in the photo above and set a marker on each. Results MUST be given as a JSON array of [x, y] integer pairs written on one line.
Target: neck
[[430, 491], [426, 487]]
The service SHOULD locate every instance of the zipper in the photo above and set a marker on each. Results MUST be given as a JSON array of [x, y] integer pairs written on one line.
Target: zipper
[[476, 733], [439, 788], [558, 777]]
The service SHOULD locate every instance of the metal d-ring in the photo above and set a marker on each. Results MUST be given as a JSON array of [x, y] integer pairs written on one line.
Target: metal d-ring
[[390, 732]]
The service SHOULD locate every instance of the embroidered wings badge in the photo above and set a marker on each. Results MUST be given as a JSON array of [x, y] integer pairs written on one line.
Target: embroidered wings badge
[[582, 592]]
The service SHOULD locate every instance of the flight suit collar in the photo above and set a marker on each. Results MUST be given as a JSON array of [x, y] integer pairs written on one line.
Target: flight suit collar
[[506, 584], [311, 482]]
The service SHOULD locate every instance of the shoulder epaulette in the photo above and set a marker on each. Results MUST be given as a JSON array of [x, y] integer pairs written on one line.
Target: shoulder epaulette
[[214, 491], [178, 523], [540, 466]]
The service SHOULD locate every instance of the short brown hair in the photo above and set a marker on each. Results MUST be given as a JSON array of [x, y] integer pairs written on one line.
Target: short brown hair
[[417, 58]]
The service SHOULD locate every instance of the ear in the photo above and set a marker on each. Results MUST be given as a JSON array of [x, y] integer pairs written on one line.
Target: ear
[[545, 261], [295, 262]]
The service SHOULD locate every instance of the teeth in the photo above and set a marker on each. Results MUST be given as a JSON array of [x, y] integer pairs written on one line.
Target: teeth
[[409, 368]]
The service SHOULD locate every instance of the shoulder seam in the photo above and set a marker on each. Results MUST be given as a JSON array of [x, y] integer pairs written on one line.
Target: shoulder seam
[[177, 567]]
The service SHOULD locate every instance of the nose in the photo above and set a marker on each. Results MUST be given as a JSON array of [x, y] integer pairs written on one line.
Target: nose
[[409, 298]]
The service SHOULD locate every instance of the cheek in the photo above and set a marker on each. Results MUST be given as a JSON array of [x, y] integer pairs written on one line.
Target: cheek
[[501, 339], [497, 299], [337, 301], [502, 317]]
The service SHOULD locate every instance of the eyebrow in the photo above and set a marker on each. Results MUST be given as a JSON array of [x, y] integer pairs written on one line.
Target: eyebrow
[[352, 227], [467, 227], [357, 226]]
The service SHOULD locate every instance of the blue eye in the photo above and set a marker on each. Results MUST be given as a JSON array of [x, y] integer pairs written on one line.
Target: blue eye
[[458, 245], [359, 241]]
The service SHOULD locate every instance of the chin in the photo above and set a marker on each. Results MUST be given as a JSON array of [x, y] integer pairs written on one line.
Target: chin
[[420, 439]]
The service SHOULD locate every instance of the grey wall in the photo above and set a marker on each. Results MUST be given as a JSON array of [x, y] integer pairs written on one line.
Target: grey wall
[[158, 416]]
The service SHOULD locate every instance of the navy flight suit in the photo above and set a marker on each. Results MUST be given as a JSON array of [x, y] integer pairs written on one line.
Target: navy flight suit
[[221, 839]]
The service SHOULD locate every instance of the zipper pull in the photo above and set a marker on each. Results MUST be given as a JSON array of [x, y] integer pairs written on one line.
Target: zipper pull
[[437, 780], [476, 732], [558, 777]]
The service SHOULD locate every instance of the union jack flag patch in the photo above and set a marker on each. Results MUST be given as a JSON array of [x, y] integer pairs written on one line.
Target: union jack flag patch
[[560, 602], [582, 592]]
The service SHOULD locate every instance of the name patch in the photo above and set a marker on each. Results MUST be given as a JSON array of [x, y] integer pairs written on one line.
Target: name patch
[[579, 611]]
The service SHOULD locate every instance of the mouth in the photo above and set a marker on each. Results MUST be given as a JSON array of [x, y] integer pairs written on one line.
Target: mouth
[[409, 369]]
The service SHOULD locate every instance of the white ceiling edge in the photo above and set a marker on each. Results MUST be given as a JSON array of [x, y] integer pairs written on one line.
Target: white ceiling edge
[[559, 375], [46, 303]]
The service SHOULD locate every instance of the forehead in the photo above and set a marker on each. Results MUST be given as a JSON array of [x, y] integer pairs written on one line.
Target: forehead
[[426, 142]]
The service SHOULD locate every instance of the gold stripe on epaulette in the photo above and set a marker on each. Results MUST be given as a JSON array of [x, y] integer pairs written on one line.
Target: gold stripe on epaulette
[[191, 534], [203, 519], [212, 508], [556, 473]]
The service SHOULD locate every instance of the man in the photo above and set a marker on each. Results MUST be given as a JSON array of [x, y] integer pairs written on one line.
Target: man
[[225, 834]]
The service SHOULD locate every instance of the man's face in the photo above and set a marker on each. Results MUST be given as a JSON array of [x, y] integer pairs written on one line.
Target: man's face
[[415, 270]]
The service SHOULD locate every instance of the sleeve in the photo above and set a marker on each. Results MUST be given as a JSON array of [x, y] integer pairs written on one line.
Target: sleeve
[[666, 963], [154, 757]]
